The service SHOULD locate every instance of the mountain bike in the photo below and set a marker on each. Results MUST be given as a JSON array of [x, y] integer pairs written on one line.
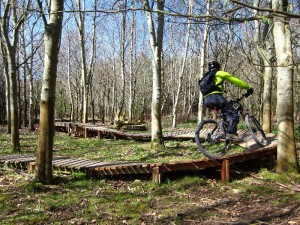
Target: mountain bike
[[210, 134]]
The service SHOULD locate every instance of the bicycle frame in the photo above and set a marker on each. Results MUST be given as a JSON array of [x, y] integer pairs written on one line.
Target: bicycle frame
[[238, 109], [213, 143]]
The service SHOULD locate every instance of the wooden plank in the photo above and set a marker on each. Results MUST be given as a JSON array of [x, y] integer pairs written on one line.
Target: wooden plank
[[124, 169], [194, 165], [3, 158], [112, 166], [120, 165], [23, 161], [89, 165], [16, 160], [31, 165], [133, 170], [249, 155], [61, 162], [20, 165], [73, 163], [251, 144]]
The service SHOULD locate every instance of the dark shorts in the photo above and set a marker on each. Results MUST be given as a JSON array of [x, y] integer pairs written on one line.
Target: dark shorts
[[217, 101]]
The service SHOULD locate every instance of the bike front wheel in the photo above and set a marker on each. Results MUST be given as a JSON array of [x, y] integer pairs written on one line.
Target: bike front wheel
[[210, 139], [256, 130]]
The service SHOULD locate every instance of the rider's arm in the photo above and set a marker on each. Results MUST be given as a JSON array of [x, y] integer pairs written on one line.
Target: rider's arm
[[223, 75]]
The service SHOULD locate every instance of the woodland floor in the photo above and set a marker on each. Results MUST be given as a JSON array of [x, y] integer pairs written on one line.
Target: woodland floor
[[253, 196]]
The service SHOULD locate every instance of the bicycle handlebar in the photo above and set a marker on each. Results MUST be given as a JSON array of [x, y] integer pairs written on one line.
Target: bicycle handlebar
[[240, 98]]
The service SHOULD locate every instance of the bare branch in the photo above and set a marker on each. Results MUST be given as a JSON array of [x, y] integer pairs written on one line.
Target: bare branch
[[272, 11], [19, 24], [4, 24], [42, 12]]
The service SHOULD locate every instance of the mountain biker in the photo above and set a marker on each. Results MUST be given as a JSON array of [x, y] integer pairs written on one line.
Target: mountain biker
[[216, 100]]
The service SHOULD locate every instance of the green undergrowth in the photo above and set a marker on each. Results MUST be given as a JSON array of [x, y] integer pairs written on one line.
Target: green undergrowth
[[180, 199], [254, 196]]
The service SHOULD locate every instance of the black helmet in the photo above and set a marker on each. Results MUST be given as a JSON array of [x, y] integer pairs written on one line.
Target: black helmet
[[213, 65]]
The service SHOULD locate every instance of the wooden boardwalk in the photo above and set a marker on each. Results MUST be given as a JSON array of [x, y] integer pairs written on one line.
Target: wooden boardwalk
[[101, 131], [93, 168]]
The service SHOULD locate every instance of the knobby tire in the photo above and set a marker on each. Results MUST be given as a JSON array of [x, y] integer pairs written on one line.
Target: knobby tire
[[256, 130], [210, 139]]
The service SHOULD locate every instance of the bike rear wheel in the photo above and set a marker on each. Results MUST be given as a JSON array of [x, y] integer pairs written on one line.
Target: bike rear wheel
[[210, 139], [256, 130]]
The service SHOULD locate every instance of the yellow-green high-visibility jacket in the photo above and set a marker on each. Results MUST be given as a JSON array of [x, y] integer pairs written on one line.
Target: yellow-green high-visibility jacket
[[222, 76]]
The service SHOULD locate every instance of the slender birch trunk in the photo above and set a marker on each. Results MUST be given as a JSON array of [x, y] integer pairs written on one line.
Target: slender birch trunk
[[156, 41], [86, 70], [265, 50], [13, 95], [81, 28], [131, 71], [7, 90], [187, 39], [72, 111], [202, 58], [10, 38], [122, 61], [52, 37], [286, 149]]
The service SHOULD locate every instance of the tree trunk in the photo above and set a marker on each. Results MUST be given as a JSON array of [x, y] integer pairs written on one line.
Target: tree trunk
[[31, 102], [26, 71], [156, 41], [131, 69], [202, 59], [72, 111], [25, 119], [86, 70], [10, 37], [122, 61], [190, 92], [187, 39], [265, 50], [19, 100], [15, 140], [45, 144], [286, 149], [84, 78], [30, 80], [5, 65]]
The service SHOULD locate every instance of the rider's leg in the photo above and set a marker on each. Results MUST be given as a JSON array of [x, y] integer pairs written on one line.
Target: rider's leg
[[232, 126], [233, 120], [219, 102]]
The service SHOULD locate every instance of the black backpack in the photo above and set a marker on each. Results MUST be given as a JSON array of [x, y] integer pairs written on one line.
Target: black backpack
[[207, 83]]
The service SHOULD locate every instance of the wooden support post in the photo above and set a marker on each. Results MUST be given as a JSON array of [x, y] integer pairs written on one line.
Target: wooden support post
[[99, 134], [156, 175], [69, 129], [85, 132], [225, 171], [31, 167]]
